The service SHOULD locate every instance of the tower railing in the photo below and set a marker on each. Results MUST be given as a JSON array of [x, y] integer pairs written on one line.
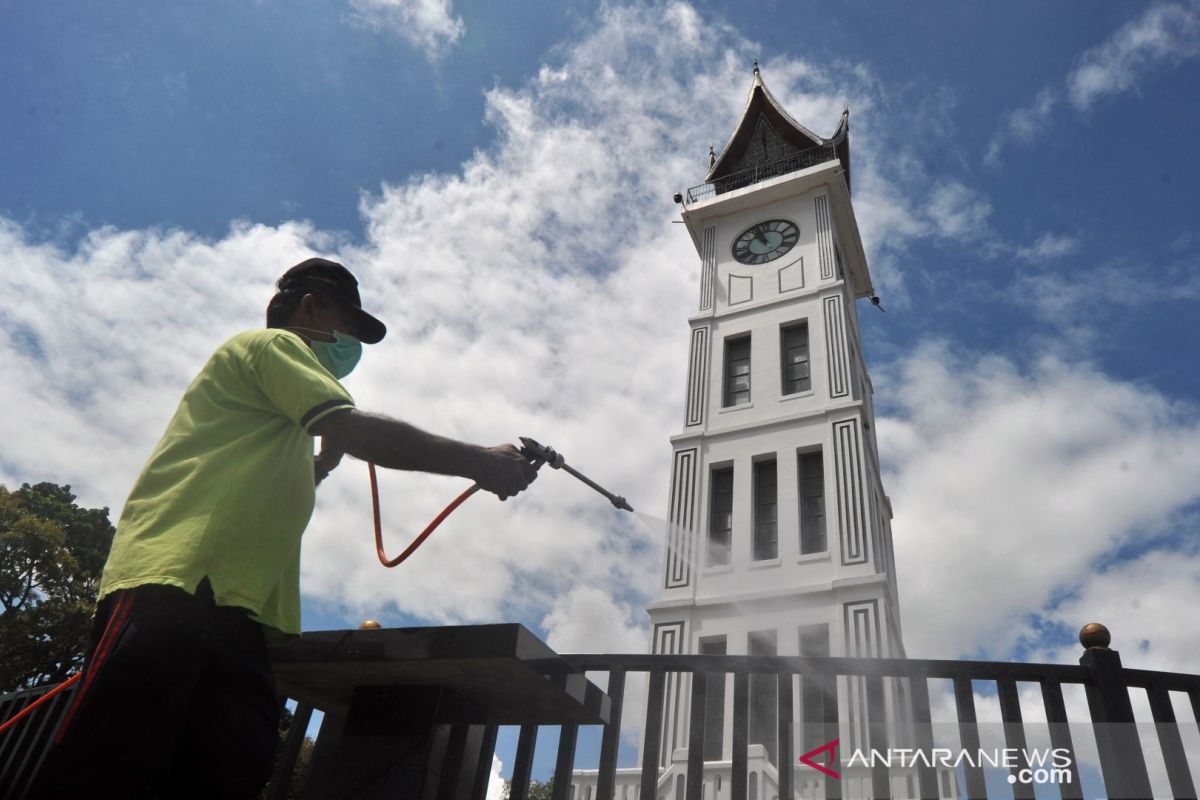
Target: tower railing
[[1120, 752], [761, 172], [891, 706]]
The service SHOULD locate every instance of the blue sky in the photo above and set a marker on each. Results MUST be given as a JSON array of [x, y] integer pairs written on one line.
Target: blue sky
[[500, 176]]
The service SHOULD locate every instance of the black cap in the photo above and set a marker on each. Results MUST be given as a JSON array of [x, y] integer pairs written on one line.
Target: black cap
[[323, 275]]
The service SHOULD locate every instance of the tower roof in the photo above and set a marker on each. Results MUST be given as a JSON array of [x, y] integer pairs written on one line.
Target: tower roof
[[767, 134]]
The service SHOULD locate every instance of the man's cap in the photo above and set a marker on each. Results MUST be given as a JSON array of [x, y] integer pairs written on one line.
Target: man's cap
[[323, 275]]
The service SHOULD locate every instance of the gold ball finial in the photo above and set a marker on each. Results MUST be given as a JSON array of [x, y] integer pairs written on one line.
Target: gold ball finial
[[1094, 636], [369, 625]]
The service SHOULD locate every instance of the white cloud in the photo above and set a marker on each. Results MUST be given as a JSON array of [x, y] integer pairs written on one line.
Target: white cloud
[[1081, 305], [588, 620], [1049, 246], [1023, 125], [1139, 601], [958, 212], [1164, 35], [1012, 482], [100, 342], [430, 25], [495, 787]]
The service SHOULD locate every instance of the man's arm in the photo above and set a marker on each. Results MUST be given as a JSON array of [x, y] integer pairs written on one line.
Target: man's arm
[[393, 444]]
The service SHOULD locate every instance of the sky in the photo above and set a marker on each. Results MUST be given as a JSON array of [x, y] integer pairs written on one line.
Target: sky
[[500, 176]]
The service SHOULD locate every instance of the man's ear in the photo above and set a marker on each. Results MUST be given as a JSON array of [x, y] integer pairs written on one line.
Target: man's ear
[[306, 308]]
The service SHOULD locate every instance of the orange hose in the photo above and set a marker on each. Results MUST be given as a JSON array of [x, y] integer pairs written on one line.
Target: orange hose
[[43, 699], [383, 559]]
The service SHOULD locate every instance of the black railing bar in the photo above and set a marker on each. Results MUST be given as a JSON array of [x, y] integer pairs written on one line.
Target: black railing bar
[[278, 788], [1171, 744], [1122, 758], [829, 701], [1060, 735], [454, 758], [22, 739], [33, 737], [799, 665], [695, 761], [8, 740], [611, 742], [1014, 729], [922, 717], [1171, 681], [786, 757], [26, 694], [565, 763], [523, 762], [877, 733], [652, 737], [18, 702], [483, 767], [739, 772], [807, 157], [968, 733]]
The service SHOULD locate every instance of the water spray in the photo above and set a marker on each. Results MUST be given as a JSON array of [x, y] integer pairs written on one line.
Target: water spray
[[538, 455]]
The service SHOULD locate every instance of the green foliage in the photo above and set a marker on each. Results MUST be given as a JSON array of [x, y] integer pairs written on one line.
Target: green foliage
[[538, 790], [51, 555], [303, 757]]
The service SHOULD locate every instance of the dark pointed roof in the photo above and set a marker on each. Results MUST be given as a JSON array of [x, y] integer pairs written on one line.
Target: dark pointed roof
[[767, 134]]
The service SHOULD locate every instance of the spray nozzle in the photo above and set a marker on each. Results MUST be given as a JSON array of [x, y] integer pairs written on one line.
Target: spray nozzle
[[534, 451]]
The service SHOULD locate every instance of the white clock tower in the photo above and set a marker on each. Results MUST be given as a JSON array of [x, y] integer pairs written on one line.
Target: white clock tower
[[780, 539]]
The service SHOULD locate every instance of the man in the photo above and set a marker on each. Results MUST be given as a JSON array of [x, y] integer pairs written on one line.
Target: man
[[177, 697]]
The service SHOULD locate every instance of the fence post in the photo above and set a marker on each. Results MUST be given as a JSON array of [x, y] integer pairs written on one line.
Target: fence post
[[1121, 759]]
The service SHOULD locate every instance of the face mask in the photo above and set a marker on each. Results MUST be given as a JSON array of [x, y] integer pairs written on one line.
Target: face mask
[[340, 356]]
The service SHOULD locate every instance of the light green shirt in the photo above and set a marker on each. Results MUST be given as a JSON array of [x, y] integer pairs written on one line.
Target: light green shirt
[[228, 491]]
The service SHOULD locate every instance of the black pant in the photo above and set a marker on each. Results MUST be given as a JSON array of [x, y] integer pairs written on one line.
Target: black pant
[[177, 700]]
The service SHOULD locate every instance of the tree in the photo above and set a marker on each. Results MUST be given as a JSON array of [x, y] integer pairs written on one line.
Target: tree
[[303, 757], [51, 555], [538, 790]]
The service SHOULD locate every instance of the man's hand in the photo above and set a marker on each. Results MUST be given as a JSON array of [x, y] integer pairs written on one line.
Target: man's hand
[[325, 462], [503, 471]]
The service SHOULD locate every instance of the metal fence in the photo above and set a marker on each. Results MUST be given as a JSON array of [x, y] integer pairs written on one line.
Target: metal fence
[[761, 172], [1121, 753], [23, 746], [893, 700]]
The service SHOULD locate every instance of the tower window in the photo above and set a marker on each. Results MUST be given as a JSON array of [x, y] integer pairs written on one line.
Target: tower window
[[814, 641], [793, 341], [766, 518], [720, 527], [737, 371], [714, 701], [812, 503]]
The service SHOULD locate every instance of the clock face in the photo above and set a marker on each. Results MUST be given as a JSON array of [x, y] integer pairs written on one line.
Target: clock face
[[765, 241]]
